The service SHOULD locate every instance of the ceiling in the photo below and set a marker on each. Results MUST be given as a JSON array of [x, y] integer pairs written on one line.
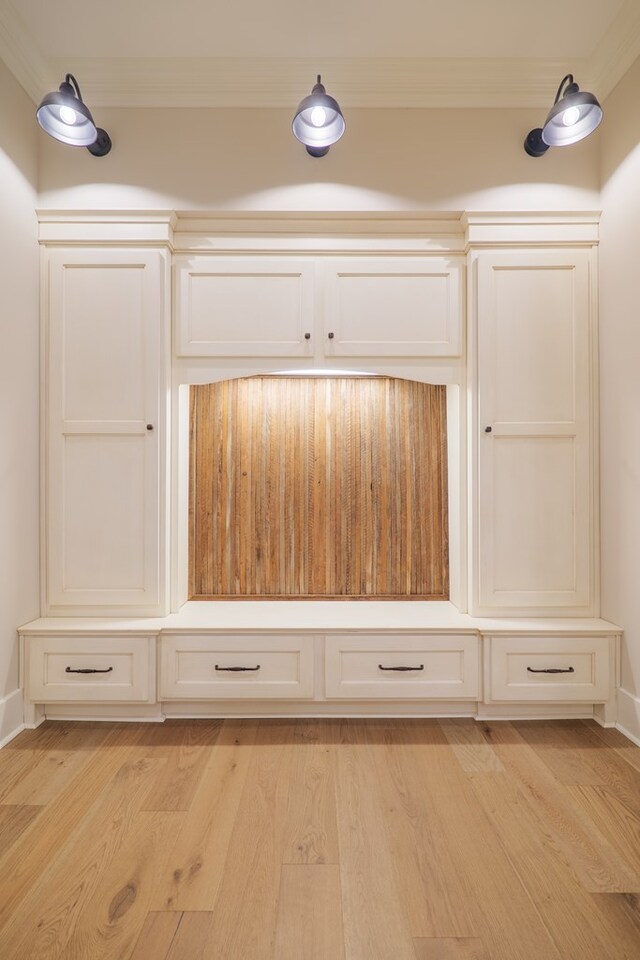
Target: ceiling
[[370, 52]]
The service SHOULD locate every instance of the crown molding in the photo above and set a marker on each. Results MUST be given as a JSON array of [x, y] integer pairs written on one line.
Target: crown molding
[[282, 82], [21, 53], [305, 232], [617, 50], [362, 82]]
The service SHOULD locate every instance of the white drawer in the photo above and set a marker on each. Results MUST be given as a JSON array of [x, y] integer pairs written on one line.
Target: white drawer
[[205, 667], [78, 669], [548, 668], [402, 667]]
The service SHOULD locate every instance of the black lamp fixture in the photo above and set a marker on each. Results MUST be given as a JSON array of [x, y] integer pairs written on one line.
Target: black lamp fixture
[[318, 122], [64, 116], [573, 116]]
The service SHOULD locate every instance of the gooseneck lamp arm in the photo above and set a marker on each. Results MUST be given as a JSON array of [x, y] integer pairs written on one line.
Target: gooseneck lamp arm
[[568, 77]]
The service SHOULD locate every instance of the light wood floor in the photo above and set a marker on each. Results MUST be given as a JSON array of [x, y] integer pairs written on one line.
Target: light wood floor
[[320, 840]]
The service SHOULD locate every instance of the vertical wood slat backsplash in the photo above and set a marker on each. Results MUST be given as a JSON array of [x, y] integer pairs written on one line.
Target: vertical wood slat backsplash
[[318, 487]]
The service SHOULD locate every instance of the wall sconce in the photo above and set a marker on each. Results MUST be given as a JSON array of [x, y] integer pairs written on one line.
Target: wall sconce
[[318, 122], [65, 117], [573, 116]]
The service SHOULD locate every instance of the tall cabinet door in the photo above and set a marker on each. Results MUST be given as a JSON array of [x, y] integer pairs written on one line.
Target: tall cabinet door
[[105, 429], [535, 518]]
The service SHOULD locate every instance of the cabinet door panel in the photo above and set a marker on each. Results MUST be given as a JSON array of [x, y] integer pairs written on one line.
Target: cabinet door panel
[[103, 506], [104, 374], [242, 307], [535, 462], [393, 307], [534, 357], [102, 341], [537, 499]]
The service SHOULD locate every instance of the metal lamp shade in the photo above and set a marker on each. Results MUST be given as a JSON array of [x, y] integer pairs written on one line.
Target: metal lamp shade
[[318, 138], [65, 117], [571, 119]]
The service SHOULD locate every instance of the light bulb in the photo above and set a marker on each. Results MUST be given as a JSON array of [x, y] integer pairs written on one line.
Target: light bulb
[[318, 116], [68, 115], [571, 116]]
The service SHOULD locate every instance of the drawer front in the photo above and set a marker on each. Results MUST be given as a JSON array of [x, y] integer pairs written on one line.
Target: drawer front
[[236, 667], [549, 668], [402, 667], [61, 669]]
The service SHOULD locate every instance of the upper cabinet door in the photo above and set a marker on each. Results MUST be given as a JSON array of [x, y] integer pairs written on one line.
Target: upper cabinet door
[[535, 508], [244, 306], [105, 429], [393, 307]]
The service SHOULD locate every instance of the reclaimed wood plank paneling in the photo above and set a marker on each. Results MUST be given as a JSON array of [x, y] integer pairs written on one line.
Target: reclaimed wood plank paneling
[[318, 487]]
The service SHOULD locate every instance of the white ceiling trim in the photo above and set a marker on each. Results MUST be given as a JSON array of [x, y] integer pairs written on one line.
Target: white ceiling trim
[[236, 82], [282, 83], [617, 50], [22, 55]]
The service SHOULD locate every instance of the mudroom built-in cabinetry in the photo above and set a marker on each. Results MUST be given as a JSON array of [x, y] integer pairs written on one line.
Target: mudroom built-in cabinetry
[[499, 309]]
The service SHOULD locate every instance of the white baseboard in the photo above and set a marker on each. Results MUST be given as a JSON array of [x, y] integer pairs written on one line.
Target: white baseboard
[[138, 713], [629, 715], [11, 717]]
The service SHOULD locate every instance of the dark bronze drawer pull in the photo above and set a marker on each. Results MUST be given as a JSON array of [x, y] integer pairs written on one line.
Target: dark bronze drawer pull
[[236, 669], [401, 669], [88, 670], [552, 670]]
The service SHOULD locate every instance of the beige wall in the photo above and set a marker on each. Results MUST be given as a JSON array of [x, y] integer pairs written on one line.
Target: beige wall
[[19, 383], [388, 160], [620, 380]]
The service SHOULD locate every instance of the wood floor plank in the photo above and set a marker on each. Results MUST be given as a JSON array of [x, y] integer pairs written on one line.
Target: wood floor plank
[[309, 925], [14, 821], [593, 860], [245, 911], [579, 931], [56, 767], [458, 948], [376, 926], [21, 867], [599, 766], [187, 756], [470, 748], [45, 919], [157, 935], [429, 880], [613, 819], [196, 865], [191, 937], [311, 832], [109, 925], [623, 747], [563, 759], [502, 912], [30, 749], [623, 912]]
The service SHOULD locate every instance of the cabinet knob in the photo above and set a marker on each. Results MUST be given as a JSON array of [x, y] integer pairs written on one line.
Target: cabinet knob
[[307, 336], [487, 429], [331, 335], [149, 426]]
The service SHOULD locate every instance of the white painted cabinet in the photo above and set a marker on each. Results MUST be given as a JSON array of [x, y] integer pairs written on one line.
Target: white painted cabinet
[[244, 306], [393, 307], [534, 549], [377, 306], [237, 666], [111, 668], [428, 666], [548, 668], [105, 431]]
